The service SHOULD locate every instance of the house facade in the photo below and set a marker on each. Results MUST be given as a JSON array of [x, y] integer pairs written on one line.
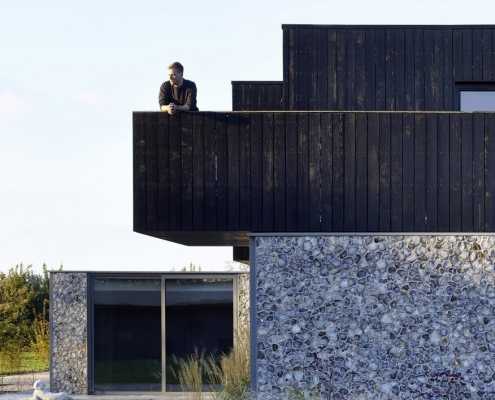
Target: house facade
[[125, 332], [361, 190]]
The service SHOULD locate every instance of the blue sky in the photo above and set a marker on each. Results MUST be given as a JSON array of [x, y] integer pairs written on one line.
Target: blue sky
[[71, 73]]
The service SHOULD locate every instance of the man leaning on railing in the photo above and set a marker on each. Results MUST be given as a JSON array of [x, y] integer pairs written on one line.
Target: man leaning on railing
[[177, 94]]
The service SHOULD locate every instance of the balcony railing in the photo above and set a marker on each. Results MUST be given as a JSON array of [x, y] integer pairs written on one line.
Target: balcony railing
[[209, 178]]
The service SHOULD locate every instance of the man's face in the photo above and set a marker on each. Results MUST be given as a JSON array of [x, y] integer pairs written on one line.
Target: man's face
[[174, 76]]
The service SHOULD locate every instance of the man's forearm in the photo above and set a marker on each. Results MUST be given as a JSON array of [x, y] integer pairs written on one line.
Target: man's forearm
[[173, 108], [185, 107]]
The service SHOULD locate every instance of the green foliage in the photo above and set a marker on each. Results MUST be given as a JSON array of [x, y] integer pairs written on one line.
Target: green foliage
[[24, 362], [23, 315], [10, 357], [41, 337]]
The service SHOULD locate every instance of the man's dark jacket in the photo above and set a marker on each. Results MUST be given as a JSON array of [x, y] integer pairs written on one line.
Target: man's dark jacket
[[182, 95]]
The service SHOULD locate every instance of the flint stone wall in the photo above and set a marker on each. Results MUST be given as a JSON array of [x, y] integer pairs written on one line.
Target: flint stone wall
[[375, 317], [68, 319], [243, 304]]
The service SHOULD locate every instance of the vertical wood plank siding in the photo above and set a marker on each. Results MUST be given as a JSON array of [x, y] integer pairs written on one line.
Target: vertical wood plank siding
[[314, 171], [381, 67], [257, 96]]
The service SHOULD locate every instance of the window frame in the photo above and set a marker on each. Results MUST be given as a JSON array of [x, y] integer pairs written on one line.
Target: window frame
[[234, 276], [472, 87]]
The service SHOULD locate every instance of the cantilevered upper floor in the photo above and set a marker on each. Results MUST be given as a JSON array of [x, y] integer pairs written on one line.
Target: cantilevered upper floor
[[364, 134], [209, 178]]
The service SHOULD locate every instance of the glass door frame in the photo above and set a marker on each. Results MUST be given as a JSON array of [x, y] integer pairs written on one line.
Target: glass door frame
[[234, 276]]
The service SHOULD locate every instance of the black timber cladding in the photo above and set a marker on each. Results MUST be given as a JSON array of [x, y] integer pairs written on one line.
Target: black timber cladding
[[209, 178], [329, 67], [257, 96]]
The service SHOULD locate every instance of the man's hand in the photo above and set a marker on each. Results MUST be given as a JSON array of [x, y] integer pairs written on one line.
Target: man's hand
[[171, 108]]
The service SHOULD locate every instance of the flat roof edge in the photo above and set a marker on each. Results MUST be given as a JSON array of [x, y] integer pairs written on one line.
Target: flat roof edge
[[323, 111], [147, 272], [392, 26], [257, 82], [292, 234]]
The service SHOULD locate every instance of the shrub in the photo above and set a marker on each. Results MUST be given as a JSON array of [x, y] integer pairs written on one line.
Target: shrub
[[23, 308], [10, 356]]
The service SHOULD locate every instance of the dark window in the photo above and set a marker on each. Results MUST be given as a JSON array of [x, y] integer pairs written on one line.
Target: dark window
[[127, 335], [199, 319], [143, 326]]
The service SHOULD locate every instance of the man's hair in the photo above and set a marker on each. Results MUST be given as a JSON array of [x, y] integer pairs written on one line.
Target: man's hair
[[178, 66]]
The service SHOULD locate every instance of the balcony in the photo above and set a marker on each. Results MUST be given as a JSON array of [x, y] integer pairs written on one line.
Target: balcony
[[210, 178]]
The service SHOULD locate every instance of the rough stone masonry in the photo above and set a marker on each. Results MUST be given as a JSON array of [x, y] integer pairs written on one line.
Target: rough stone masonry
[[376, 317], [69, 324]]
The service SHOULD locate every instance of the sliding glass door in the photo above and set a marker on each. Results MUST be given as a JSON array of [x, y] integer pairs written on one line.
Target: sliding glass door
[[199, 321], [127, 335], [142, 326]]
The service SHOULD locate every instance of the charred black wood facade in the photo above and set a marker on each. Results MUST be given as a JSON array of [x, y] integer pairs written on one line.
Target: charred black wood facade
[[332, 67], [362, 135], [209, 178], [384, 67], [257, 96]]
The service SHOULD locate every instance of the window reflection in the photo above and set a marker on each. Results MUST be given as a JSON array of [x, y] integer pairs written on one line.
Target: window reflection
[[127, 334], [199, 320], [477, 100]]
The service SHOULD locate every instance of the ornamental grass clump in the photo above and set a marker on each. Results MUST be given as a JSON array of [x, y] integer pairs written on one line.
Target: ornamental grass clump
[[232, 371], [189, 373], [226, 377]]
